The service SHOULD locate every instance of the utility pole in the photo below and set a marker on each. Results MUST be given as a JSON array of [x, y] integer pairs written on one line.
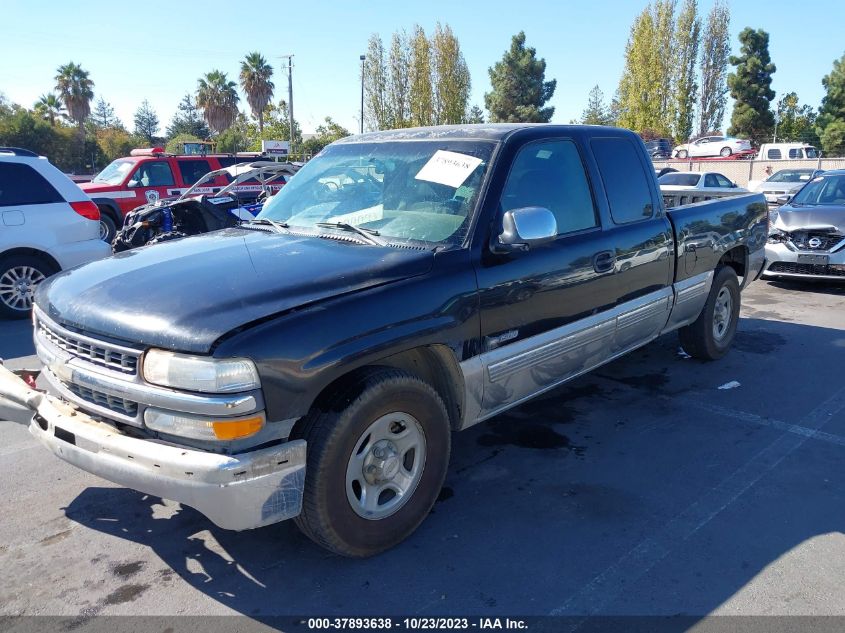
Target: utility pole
[[290, 97], [363, 58]]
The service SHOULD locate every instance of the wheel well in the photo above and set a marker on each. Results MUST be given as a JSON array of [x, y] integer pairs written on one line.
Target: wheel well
[[109, 209], [435, 364], [736, 258], [32, 252]]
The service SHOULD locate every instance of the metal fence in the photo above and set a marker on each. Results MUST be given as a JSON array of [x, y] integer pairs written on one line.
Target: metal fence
[[741, 171]]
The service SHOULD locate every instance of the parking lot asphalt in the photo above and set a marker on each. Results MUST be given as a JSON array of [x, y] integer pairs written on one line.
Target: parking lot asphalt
[[643, 488]]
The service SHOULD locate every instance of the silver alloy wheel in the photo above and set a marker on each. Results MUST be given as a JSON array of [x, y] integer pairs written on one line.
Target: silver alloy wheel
[[726, 151], [17, 287], [386, 466], [104, 231], [722, 313]]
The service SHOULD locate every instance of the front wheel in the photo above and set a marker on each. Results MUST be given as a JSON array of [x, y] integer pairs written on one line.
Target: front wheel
[[710, 336], [378, 451], [726, 151], [683, 154]]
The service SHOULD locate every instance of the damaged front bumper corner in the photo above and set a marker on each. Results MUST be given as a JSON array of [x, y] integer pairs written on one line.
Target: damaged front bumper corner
[[236, 492]]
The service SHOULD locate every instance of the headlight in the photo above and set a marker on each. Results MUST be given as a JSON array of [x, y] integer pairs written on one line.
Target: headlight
[[776, 236], [200, 373]]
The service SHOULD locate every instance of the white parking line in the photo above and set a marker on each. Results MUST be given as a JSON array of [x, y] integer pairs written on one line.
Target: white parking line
[[623, 574]]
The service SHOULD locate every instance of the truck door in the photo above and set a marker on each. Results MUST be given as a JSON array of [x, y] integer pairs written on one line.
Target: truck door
[[642, 240], [152, 180], [543, 312]]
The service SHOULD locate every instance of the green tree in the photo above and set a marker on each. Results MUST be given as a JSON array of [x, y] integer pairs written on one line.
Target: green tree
[[420, 92], [21, 128], [715, 51], [474, 115], [50, 108], [146, 122], [750, 86], [796, 122], [115, 142], [643, 87], [236, 137], [830, 124], [519, 90], [398, 78], [684, 87], [375, 85], [218, 99], [76, 91], [255, 78], [102, 116], [596, 113], [276, 127], [188, 120], [452, 81], [327, 132], [176, 143]]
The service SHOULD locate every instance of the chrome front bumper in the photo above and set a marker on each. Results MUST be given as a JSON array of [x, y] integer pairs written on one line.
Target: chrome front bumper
[[782, 261], [236, 492]]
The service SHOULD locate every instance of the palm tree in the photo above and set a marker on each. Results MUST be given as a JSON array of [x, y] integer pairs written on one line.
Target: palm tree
[[218, 99], [49, 107], [255, 81], [76, 91]]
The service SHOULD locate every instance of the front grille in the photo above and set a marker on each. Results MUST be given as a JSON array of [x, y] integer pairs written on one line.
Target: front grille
[[826, 241], [94, 352], [112, 403], [806, 269]]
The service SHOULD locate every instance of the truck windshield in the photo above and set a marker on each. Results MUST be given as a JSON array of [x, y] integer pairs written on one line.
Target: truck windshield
[[115, 172], [405, 190], [822, 190]]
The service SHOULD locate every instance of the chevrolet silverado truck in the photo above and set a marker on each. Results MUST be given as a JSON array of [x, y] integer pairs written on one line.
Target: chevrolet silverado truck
[[312, 364]]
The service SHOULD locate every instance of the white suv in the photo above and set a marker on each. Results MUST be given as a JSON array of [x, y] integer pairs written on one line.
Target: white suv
[[47, 224]]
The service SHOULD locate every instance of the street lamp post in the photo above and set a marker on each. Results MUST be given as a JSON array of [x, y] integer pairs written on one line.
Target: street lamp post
[[362, 58]]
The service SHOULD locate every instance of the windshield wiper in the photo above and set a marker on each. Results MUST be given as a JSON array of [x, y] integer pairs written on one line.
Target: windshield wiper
[[279, 226], [369, 235]]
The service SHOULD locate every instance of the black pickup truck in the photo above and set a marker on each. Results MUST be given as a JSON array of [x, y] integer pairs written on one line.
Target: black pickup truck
[[403, 285]]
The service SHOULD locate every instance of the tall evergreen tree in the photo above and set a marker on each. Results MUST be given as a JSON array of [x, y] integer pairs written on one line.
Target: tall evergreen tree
[[188, 120], [398, 81], [715, 50], [474, 115], [684, 86], [750, 86], [831, 120], [796, 122], [420, 92], [146, 122], [519, 89], [596, 113], [102, 116], [451, 77]]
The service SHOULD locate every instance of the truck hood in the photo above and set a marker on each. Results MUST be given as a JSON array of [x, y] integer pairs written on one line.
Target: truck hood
[[811, 217], [185, 294]]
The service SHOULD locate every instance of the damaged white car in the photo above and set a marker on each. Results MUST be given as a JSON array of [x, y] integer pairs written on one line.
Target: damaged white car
[[807, 233]]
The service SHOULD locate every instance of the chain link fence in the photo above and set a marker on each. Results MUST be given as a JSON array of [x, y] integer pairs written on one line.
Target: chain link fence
[[741, 171]]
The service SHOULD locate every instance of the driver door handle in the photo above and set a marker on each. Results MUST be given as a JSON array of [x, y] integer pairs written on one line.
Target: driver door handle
[[604, 261]]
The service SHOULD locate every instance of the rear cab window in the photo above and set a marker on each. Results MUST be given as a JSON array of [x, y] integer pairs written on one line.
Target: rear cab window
[[21, 185], [192, 170], [625, 179]]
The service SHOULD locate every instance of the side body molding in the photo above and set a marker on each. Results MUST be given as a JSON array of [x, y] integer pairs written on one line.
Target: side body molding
[[509, 375]]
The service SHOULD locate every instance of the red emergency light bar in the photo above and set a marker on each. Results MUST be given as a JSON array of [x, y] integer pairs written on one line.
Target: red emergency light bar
[[147, 151]]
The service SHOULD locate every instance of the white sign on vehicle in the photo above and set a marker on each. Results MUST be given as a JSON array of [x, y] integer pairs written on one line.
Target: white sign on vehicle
[[276, 148], [448, 168]]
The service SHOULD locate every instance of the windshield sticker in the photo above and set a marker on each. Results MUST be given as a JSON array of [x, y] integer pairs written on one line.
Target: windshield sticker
[[448, 168]]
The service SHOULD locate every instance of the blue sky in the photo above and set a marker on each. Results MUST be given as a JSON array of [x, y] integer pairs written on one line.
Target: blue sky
[[157, 50]]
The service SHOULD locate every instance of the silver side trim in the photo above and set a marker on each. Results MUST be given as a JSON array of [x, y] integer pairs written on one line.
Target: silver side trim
[[514, 373]]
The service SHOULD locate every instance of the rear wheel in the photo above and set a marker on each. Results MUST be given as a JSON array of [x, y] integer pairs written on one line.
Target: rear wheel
[[19, 277], [726, 151], [378, 451], [710, 336]]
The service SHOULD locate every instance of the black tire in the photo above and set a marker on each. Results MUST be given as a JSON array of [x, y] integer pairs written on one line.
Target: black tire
[[683, 153], [108, 227], [27, 269], [725, 152], [334, 430], [699, 339]]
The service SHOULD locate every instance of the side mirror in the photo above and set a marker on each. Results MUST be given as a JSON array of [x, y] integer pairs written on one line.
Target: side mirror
[[525, 228], [782, 200], [132, 184]]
